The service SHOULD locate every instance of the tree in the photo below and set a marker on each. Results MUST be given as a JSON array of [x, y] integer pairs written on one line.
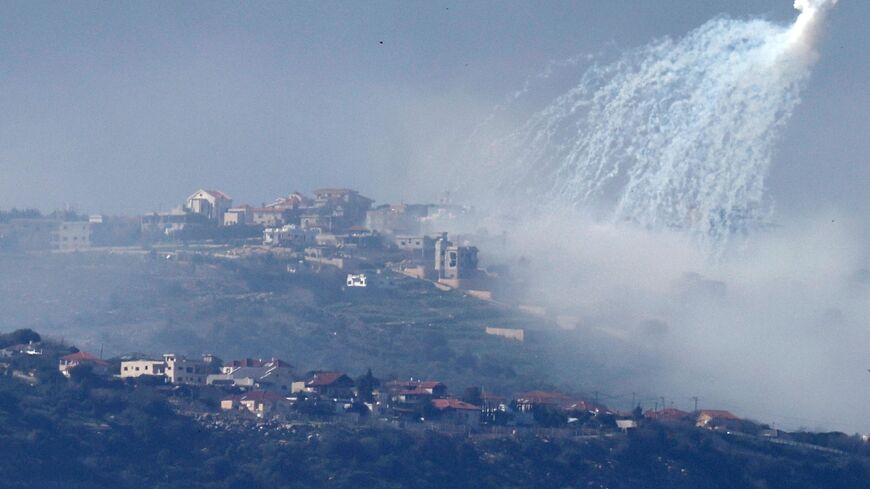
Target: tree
[[471, 395], [365, 385], [18, 337]]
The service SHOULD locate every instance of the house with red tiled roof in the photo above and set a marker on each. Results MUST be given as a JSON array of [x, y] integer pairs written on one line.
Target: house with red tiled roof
[[712, 418], [333, 385], [528, 401], [456, 412], [412, 392], [211, 204], [73, 360], [667, 415]]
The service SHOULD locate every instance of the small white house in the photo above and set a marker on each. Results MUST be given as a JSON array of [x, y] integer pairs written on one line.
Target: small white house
[[357, 280]]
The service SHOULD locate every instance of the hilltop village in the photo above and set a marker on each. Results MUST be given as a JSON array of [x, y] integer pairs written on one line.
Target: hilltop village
[[336, 227], [335, 230], [459, 389], [230, 393]]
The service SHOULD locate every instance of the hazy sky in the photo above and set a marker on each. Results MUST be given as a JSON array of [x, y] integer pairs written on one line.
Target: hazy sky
[[128, 107]]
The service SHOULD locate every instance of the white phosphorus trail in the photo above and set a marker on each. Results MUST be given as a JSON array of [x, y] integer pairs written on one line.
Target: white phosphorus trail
[[678, 134]]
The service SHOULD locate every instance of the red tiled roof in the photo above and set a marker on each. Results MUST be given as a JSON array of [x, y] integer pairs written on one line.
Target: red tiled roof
[[717, 414], [666, 414], [413, 392], [443, 404], [542, 397], [326, 378], [82, 356]]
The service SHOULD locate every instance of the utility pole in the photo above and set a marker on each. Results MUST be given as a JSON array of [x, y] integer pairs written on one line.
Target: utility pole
[[633, 405], [596, 398], [695, 398]]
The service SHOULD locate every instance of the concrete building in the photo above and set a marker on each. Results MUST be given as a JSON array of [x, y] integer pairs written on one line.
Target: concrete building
[[458, 412], [332, 385], [396, 219], [271, 375], [290, 235], [239, 216], [212, 204], [260, 403], [269, 217], [180, 370], [337, 209], [138, 368], [455, 264], [71, 235], [169, 223], [28, 234], [509, 333]]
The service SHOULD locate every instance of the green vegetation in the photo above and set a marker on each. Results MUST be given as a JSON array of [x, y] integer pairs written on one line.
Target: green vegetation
[[252, 307], [87, 432]]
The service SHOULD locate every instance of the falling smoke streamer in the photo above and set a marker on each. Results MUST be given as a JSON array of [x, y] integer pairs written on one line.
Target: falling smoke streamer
[[678, 134]]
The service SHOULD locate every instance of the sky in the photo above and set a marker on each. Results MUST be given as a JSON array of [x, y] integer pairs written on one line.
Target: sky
[[124, 108]]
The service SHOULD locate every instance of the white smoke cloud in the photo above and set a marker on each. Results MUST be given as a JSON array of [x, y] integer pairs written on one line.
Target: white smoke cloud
[[670, 143]]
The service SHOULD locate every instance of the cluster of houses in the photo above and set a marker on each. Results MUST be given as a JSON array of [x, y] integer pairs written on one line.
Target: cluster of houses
[[270, 389], [335, 227]]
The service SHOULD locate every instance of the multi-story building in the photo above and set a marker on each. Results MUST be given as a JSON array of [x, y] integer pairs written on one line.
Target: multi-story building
[[71, 235], [212, 204], [181, 370], [274, 374], [138, 368]]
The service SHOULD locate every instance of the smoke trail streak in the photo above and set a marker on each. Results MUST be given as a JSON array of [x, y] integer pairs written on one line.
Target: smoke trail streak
[[678, 134]]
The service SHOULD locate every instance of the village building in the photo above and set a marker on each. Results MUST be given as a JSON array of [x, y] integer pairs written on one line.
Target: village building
[[528, 401], [396, 219], [82, 358], [31, 348], [33, 234], [181, 370], [212, 204], [239, 216], [337, 209], [260, 403], [169, 223], [271, 375], [269, 217], [714, 419], [458, 412], [138, 368], [329, 385], [290, 235], [667, 415], [71, 235]]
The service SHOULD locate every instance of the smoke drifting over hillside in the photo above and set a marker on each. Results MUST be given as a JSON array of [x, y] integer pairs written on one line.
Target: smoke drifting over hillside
[[650, 224]]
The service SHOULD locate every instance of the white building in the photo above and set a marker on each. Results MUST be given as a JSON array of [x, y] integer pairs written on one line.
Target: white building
[[212, 204], [357, 280], [138, 368], [180, 370], [289, 235]]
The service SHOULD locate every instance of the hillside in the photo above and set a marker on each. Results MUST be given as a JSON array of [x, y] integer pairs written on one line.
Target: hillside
[[87, 432], [252, 307]]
